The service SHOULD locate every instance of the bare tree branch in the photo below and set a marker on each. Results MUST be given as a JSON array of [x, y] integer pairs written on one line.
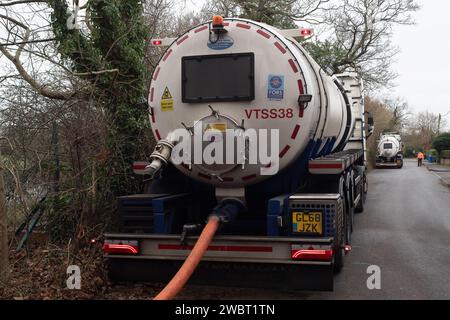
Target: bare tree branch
[[12, 3], [26, 42], [15, 59]]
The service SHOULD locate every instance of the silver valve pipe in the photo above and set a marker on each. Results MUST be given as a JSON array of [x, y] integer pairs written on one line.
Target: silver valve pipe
[[161, 155]]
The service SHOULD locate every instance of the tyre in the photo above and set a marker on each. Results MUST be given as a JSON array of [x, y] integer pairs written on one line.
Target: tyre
[[349, 199], [360, 206], [338, 263], [363, 191], [341, 231]]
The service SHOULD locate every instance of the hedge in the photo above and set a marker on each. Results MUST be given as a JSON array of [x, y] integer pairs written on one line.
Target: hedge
[[445, 154]]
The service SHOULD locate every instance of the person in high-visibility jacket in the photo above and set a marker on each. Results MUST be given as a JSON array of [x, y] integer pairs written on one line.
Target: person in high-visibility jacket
[[420, 157]]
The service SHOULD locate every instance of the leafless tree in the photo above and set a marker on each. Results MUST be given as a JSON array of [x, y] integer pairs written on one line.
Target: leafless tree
[[382, 118], [4, 248], [362, 35], [55, 128], [400, 113], [423, 130]]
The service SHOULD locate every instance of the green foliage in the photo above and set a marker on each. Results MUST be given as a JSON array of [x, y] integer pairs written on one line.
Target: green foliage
[[442, 142], [409, 152], [325, 53], [277, 13], [116, 40], [445, 154], [432, 152]]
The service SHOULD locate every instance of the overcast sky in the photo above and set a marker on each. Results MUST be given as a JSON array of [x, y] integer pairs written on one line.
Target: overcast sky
[[423, 64]]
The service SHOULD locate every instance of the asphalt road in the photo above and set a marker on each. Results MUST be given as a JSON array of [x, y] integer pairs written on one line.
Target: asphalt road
[[405, 230]]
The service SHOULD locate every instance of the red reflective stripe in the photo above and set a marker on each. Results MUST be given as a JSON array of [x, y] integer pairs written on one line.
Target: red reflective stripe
[[284, 151], [293, 66], [301, 110], [217, 248], [139, 166], [120, 248], [200, 29], [156, 73], [182, 40], [152, 115], [311, 254], [152, 91], [226, 24], [250, 177], [244, 26], [264, 34], [300, 86], [158, 136], [278, 45], [295, 132], [167, 55], [325, 166]]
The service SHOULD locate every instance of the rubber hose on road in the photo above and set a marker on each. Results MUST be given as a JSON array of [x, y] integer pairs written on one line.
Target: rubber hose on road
[[182, 276]]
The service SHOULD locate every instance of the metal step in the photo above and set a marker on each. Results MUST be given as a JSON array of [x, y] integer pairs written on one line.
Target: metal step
[[355, 140], [136, 212]]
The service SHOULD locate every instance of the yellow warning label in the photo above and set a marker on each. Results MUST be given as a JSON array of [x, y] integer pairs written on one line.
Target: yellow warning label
[[166, 94], [166, 101], [167, 105], [219, 126]]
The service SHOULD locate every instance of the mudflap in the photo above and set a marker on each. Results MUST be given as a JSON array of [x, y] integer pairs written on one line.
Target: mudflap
[[240, 275]]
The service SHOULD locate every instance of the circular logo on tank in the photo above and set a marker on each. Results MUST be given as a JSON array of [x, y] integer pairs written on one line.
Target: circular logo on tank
[[276, 82], [223, 42]]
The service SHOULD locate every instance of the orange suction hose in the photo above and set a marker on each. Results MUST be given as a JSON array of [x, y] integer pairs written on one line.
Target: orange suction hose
[[182, 276]]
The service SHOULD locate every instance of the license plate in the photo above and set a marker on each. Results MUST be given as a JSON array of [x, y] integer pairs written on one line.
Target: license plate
[[307, 222]]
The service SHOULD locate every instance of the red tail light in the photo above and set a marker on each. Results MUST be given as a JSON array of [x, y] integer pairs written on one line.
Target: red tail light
[[156, 42], [121, 247], [312, 255], [305, 32]]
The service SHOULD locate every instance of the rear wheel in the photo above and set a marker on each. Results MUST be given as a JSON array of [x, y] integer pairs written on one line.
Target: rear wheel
[[362, 192], [360, 206], [341, 231], [349, 199]]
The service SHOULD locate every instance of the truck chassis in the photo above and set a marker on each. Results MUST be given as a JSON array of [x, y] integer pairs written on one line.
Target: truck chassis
[[336, 190]]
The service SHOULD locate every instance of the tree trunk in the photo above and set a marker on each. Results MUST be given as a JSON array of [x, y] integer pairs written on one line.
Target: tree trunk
[[4, 250], [55, 145]]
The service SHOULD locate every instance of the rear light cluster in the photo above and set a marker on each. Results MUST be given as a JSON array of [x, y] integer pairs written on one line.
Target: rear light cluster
[[306, 32], [121, 247], [311, 254]]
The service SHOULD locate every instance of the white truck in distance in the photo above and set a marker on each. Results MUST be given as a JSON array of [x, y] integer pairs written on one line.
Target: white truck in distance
[[390, 150]]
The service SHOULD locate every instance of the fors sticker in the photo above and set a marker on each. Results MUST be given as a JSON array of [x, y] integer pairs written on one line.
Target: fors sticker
[[275, 87]]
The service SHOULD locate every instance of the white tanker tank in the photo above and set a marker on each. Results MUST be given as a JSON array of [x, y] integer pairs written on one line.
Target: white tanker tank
[[287, 197], [247, 76], [390, 150]]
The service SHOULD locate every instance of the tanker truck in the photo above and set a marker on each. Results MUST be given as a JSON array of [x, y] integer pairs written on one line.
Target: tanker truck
[[252, 133], [389, 150]]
